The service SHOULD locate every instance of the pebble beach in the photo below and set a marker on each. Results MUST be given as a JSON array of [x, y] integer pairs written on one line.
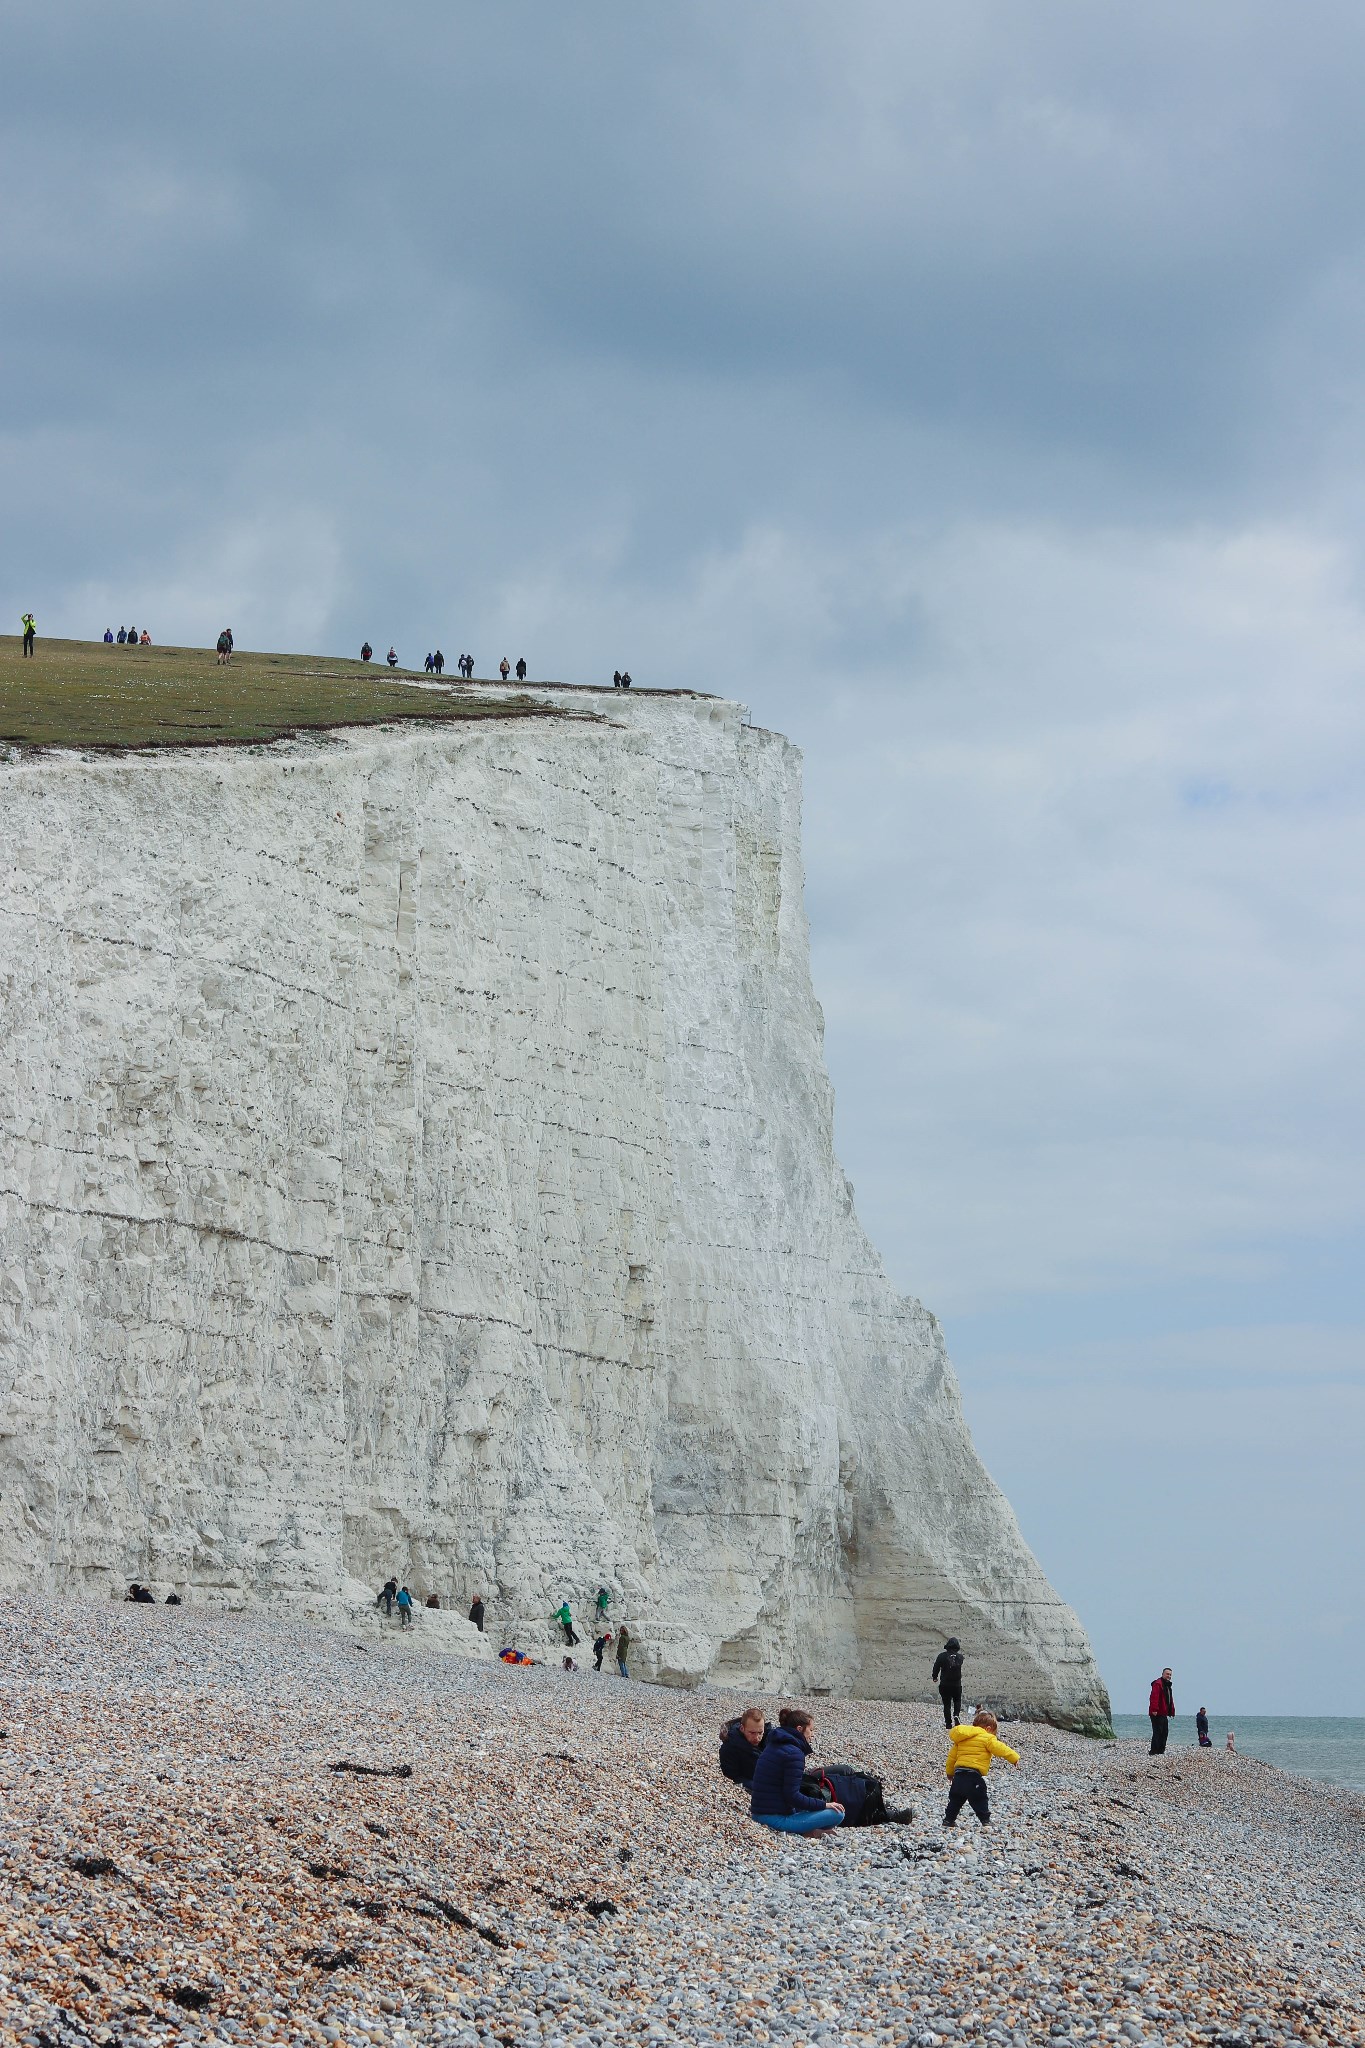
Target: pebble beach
[[242, 1829]]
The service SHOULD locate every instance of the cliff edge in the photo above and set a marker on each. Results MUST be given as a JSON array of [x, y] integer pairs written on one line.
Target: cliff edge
[[418, 1156]]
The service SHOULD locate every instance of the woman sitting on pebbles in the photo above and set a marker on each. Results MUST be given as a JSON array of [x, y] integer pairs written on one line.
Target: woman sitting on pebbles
[[777, 1800]]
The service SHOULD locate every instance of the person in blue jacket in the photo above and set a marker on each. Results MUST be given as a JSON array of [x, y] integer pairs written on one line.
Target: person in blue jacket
[[777, 1800]]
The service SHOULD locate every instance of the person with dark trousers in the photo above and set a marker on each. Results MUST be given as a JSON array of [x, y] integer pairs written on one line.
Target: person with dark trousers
[[970, 1750], [740, 1743], [1201, 1728], [521, 671], [947, 1676], [438, 662], [622, 1651], [600, 1646], [1161, 1712], [29, 631], [775, 1796], [564, 1616], [386, 1596], [366, 651], [476, 1612]]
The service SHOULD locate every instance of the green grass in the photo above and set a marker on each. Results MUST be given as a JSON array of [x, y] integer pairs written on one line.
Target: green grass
[[77, 693]]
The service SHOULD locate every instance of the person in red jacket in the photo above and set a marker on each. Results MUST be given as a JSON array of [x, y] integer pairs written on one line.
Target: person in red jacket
[[1161, 1712]]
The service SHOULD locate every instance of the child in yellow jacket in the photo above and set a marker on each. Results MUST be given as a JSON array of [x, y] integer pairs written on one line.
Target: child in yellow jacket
[[970, 1749]]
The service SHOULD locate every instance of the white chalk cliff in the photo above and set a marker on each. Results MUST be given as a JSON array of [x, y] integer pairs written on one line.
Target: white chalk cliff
[[418, 1156]]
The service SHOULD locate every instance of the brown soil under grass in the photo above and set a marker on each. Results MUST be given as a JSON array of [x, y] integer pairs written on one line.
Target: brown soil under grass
[[76, 693]]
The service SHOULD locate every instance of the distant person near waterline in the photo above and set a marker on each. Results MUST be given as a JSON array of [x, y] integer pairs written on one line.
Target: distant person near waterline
[[1232, 1743], [947, 1676], [476, 1612], [30, 631], [1201, 1728], [622, 1651], [776, 1798], [970, 1750], [1161, 1711]]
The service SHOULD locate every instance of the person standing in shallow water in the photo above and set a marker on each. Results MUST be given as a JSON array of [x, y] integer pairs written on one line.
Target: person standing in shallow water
[[947, 1676], [1161, 1711]]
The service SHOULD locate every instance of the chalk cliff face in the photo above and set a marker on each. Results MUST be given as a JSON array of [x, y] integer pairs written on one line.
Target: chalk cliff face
[[418, 1157]]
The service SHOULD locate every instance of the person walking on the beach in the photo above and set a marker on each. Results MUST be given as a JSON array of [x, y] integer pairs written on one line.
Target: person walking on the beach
[[947, 1676], [1201, 1728], [1161, 1712], [599, 1648], [388, 1593], [622, 1650], [476, 1612], [29, 631], [564, 1617], [970, 1750]]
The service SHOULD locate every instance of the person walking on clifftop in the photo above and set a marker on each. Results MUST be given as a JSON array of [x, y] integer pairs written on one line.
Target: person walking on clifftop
[[1161, 1711], [947, 1675], [30, 630]]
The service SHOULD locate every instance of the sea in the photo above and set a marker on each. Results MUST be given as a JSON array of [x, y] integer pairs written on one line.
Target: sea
[[1327, 1747]]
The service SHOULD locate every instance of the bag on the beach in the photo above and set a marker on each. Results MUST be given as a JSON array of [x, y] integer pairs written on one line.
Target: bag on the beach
[[858, 1792]]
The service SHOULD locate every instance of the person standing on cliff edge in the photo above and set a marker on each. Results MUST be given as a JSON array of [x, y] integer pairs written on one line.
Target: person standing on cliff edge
[[30, 630], [1161, 1712], [947, 1675]]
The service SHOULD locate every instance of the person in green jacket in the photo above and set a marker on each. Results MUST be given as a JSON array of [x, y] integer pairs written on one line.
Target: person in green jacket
[[565, 1619], [30, 629]]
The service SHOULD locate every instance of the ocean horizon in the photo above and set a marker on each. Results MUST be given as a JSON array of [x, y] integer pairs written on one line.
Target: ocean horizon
[[1329, 1748]]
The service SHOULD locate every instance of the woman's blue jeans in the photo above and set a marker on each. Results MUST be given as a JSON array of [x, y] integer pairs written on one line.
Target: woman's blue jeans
[[800, 1823]]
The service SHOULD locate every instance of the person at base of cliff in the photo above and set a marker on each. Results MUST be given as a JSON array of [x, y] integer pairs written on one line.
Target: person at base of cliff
[[622, 1651], [140, 1595], [599, 1648], [433, 1599], [173, 1600], [386, 1596], [775, 1796], [1201, 1728], [740, 1743], [564, 1616], [1161, 1712], [569, 1664], [970, 1749], [947, 1676], [476, 1612], [405, 1607]]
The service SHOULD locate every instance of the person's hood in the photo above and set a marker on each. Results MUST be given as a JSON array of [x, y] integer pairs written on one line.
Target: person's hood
[[777, 1736], [952, 1644]]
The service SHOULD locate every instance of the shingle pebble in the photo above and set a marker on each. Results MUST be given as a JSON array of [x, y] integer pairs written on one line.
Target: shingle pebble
[[180, 1862]]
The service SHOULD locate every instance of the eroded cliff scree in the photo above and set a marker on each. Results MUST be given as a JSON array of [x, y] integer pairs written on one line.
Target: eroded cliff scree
[[418, 1156]]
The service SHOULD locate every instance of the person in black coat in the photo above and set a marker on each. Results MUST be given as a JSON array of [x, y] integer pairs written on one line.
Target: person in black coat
[[476, 1612], [740, 1742], [947, 1675]]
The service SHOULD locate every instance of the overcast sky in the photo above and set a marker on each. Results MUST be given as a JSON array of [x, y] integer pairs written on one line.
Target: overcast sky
[[978, 392]]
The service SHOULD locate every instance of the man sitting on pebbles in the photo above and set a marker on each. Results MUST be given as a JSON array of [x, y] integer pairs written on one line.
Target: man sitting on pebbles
[[970, 1749]]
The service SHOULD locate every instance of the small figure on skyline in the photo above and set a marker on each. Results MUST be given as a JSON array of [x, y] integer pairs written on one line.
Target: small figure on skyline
[[366, 652], [223, 650], [122, 637], [438, 662], [521, 670], [1161, 1712], [108, 636], [504, 668], [625, 679], [430, 663], [616, 679], [30, 630], [146, 639], [947, 1675], [393, 658]]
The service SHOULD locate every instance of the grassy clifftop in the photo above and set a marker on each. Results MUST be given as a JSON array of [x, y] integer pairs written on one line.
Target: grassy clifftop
[[77, 693]]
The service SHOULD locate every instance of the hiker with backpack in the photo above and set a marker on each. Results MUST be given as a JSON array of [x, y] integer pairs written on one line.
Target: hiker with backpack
[[947, 1676]]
